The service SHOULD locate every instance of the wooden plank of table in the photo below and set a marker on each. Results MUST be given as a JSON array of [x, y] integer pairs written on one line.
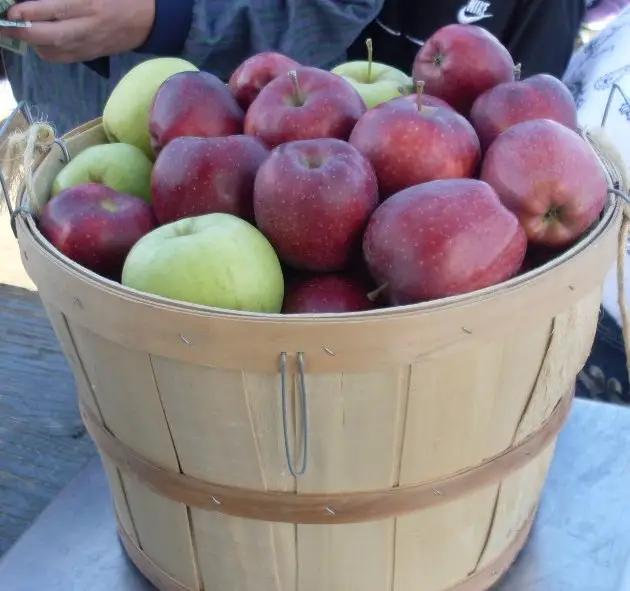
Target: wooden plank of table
[[43, 444], [580, 541]]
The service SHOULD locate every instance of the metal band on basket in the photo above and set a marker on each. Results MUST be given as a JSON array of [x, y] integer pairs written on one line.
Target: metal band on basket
[[329, 508]]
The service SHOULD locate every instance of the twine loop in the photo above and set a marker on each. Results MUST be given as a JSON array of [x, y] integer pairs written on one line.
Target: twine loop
[[619, 187], [22, 151]]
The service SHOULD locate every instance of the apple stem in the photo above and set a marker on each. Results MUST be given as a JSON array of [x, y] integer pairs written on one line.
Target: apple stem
[[370, 57], [420, 84], [517, 72], [297, 93], [374, 295]]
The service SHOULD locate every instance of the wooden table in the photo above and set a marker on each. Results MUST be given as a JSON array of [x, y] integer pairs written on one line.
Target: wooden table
[[43, 444], [580, 541]]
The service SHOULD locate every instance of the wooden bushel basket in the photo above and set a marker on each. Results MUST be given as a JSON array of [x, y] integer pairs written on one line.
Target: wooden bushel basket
[[428, 429]]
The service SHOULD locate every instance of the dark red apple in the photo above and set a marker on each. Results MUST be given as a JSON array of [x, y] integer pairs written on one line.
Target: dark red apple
[[408, 146], [426, 100], [307, 103], [441, 239], [194, 176], [538, 97], [194, 104], [312, 199], [96, 226], [549, 177], [255, 73], [326, 294], [459, 62]]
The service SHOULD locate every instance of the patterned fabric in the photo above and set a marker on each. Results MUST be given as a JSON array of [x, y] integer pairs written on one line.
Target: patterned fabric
[[593, 71], [314, 32]]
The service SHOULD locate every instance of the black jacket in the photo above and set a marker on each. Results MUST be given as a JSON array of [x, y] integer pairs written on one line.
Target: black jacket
[[540, 34]]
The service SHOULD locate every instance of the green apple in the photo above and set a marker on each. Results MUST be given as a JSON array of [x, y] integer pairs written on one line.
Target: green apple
[[119, 166], [375, 82], [216, 260], [126, 113]]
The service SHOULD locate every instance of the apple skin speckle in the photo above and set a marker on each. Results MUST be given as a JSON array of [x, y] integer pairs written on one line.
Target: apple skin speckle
[[326, 294], [312, 200], [255, 73], [96, 226], [440, 239], [195, 176], [330, 108], [180, 109], [538, 97], [549, 177], [459, 62], [407, 146]]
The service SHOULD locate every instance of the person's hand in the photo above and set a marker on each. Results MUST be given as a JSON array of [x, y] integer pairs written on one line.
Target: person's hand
[[82, 30]]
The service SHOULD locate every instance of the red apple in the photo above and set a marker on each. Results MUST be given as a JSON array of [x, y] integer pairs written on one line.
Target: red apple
[[426, 100], [325, 294], [307, 103], [194, 104], [256, 72], [549, 177], [96, 226], [408, 146], [312, 199], [440, 239], [459, 62], [194, 176], [539, 97]]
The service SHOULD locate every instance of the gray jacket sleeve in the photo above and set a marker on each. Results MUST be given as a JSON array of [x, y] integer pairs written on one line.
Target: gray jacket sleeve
[[313, 32]]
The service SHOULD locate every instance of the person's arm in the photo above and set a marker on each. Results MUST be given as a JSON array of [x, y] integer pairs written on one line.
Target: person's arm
[[219, 34], [542, 34], [213, 34]]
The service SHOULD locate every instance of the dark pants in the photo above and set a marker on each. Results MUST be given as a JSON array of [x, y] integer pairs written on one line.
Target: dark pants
[[605, 376]]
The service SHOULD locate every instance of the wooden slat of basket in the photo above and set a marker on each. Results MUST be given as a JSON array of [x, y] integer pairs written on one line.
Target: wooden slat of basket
[[480, 581], [60, 326], [130, 404], [571, 338]]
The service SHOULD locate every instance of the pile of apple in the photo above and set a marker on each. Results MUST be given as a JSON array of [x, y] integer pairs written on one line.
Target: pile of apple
[[301, 190]]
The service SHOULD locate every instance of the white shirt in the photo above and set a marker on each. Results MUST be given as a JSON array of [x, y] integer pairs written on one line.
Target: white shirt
[[590, 76]]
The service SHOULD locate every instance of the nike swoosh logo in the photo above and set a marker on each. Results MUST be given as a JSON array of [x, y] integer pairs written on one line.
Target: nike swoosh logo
[[468, 19]]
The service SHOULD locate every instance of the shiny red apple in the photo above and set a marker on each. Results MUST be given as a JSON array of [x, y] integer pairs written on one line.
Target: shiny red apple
[[326, 294], [408, 146], [195, 176], [459, 62], [96, 226], [307, 103], [256, 72], [426, 100], [193, 104], [440, 239], [538, 97], [549, 177], [312, 199]]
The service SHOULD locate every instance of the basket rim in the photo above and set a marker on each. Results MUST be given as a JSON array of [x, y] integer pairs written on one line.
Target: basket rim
[[612, 210]]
